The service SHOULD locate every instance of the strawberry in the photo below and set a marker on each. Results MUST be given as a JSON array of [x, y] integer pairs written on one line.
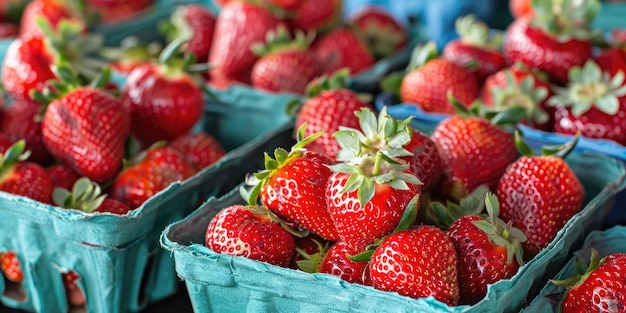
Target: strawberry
[[488, 251], [8, 30], [534, 200], [24, 178], [115, 11], [520, 8], [286, 64], [417, 263], [10, 266], [474, 151], [151, 173], [310, 251], [195, 23], [430, 79], [598, 288], [476, 48], [165, 99], [337, 262], [239, 25], [593, 103], [130, 54], [612, 60], [292, 186], [54, 12], [383, 34], [342, 48], [5, 142], [200, 150], [62, 176], [250, 231], [554, 38], [86, 196], [284, 4], [316, 15], [73, 293], [21, 120], [329, 105]]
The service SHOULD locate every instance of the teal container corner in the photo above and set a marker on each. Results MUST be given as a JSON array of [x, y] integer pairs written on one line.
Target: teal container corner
[[222, 283]]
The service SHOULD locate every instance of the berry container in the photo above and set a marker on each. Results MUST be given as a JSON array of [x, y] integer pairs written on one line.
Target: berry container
[[222, 283]]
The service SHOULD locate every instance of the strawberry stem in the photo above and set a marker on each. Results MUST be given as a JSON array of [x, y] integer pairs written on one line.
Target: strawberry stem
[[377, 162]]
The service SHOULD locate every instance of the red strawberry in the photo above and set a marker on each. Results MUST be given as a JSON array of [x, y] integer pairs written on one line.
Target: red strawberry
[[21, 120], [417, 263], [337, 262], [5, 142], [310, 251], [200, 150], [539, 194], [53, 11], [612, 60], [8, 30], [286, 64], [24, 178], [430, 80], [73, 293], [553, 39], [62, 176], [165, 99], [326, 110], [292, 186], [250, 232], [239, 25], [599, 288], [139, 182], [86, 196], [131, 54], [342, 48], [10, 267], [196, 23], [316, 15], [476, 48], [488, 251], [383, 34], [114, 11], [520, 8], [593, 103], [284, 4]]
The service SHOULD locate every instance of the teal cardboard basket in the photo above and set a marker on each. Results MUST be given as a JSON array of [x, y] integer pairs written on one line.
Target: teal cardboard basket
[[121, 264], [222, 283], [612, 240]]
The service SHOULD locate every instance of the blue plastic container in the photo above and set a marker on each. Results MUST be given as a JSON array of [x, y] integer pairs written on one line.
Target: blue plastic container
[[222, 283]]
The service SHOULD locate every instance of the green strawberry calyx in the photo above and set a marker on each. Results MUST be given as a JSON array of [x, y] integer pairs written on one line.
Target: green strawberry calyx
[[500, 116], [337, 80], [132, 50], [85, 196], [583, 271], [420, 55], [501, 233], [565, 19], [280, 39], [311, 262], [560, 151], [15, 153], [443, 215], [477, 33], [524, 94], [590, 87]]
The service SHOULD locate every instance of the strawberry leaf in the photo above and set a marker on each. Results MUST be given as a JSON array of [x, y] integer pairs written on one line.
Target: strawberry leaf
[[409, 215]]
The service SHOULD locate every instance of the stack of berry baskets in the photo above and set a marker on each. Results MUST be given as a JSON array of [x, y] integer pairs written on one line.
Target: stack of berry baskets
[[92, 172], [583, 92], [607, 243]]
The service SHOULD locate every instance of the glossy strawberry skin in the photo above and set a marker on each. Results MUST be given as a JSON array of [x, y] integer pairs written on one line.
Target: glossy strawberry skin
[[480, 261], [426, 163], [612, 60], [602, 290], [383, 34], [111, 205], [337, 263], [539, 195], [162, 107], [417, 263], [202, 23], [87, 129], [295, 192], [536, 49], [593, 123], [520, 8], [62, 176], [53, 11], [200, 150], [328, 111], [488, 61], [285, 71], [474, 152], [359, 225], [29, 180], [110, 11], [19, 121], [316, 15], [342, 48], [428, 86], [10, 266], [238, 231]]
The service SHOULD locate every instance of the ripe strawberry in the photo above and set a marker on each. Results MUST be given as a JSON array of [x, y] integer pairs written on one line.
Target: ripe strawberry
[[316, 15], [612, 60], [10, 266], [86, 196], [24, 178], [130, 54], [5, 142], [599, 288], [156, 171], [54, 12], [62, 176], [310, 251], [429, 80], [73, 293], [115, 11], [200, 150], [195, 23], [286, 64], [327, 109], [520, 8], [417, 263], [383, 34], [8, 30], [488, 251], [239, 25], [474, 151], [554, 38], [337, 262], [21, 120], [165, 99], [476, 48], [292, 186], [534, 200], [342, 48], [250, 232], [593, 103]]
